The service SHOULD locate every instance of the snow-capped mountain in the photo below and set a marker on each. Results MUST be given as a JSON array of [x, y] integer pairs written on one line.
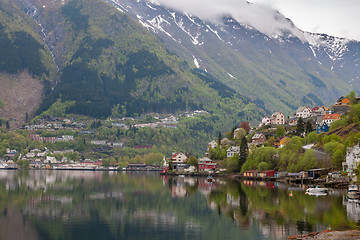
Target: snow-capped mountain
[[282, 69]]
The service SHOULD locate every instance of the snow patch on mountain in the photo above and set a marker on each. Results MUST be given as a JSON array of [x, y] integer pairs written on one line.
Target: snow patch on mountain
[[214, 31], [231, 75], [151, 7], [334, 47], [196, 62]]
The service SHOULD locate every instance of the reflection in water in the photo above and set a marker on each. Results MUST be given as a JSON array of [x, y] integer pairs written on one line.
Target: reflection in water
[[116, 205]]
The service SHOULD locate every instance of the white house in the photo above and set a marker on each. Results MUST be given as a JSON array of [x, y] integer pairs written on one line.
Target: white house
[[213, 144], [303, 112], [232, 151], [50, 160], [352, 159], [329, 118], [265, 121], [178, 158], [277, 118]]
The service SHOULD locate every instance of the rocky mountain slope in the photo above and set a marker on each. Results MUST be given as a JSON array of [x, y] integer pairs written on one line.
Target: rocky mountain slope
[[109, 64], [281, 71]]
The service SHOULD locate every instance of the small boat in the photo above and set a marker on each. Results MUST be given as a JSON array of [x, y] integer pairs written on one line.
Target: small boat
[[353, 191], [317, 191], [210, 179]]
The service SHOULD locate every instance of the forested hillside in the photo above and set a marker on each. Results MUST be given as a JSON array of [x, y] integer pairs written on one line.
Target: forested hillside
[[112, 65], [26, 65], [108, 66]]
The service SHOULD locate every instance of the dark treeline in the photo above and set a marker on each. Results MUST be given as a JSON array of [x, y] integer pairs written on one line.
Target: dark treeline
[[18, 51]]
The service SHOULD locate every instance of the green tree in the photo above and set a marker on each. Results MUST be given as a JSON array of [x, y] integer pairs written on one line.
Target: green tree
[[219, 138], [280, 131], [244, 150], [308, 161], [7, 125], [118, 134], [300, 127], [112, 161], [351, 96], [232, 164], [309, 127], [26, 117], [192, 160], [240, 133]]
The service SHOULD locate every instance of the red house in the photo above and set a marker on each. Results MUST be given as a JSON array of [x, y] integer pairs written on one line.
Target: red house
[[268, 173], [206, 164], [258, 138]]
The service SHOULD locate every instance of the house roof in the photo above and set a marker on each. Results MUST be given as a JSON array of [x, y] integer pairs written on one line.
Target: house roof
[[301, 109], [284, 141], [276, 113], [257, 136], [234, 149], [331, 116]]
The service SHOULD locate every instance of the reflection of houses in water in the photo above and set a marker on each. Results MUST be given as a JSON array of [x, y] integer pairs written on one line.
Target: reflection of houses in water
[[266, 184], [352, 208], [205, 187], [178, 190], [232, 201], [274, 231]]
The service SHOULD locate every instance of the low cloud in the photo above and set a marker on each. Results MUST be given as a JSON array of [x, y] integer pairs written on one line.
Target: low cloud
[[260, 16]]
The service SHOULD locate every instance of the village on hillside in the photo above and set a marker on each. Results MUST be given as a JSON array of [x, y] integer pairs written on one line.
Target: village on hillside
[[229, 153], [276, 132]]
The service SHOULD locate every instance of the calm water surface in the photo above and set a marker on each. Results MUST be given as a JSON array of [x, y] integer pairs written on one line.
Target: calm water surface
[[36, 205]]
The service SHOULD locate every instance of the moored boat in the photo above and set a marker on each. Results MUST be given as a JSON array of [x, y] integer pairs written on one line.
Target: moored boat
[[353, 191], [317, 191], [210, 179]]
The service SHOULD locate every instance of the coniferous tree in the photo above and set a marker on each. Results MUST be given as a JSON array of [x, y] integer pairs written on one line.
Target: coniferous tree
[[26, 117], [219, 138], [300, 127], [309, 127], [7, 125], [118, 133], [243, 151]]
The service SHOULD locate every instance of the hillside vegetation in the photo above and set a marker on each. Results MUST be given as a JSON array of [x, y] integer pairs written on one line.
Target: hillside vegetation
[[26, 65], [113, 66]]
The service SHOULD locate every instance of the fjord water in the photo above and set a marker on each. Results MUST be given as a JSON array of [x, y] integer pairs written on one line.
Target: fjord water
[[138, 205]]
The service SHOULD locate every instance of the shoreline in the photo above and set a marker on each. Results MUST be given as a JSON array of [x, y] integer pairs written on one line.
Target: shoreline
[[236, 177], [287, 180], [329, 235]]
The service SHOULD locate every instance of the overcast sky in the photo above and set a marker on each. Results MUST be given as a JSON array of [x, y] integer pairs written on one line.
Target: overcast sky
[[339, 18]]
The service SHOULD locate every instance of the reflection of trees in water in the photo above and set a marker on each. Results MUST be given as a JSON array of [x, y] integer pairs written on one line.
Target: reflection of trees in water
[[62, 205], [278, 212], [55, 200]]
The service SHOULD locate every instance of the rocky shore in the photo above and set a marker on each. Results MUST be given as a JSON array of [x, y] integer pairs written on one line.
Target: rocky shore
[[329, 235]]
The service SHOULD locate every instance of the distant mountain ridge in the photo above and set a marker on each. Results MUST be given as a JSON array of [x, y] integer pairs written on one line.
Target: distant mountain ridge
[[282, 71]]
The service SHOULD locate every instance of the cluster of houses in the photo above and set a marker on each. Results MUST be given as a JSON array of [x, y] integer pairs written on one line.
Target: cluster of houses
[[64, 138], [178, 162], [322, 116], [55, 123]]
